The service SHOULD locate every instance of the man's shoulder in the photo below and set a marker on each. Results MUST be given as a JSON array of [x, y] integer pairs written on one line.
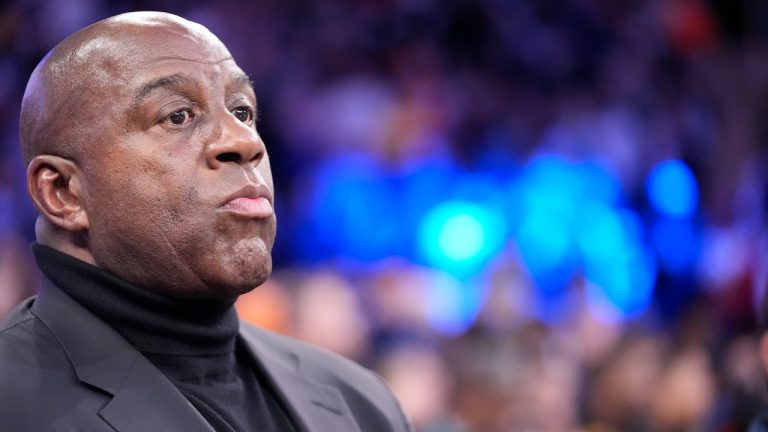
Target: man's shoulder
[[17, 316], [17, 345], [315, 362], [21, 335], [364, 391], [32, 365], [28, 349]]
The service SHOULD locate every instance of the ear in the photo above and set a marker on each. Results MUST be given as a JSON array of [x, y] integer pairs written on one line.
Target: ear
[[54, 185]]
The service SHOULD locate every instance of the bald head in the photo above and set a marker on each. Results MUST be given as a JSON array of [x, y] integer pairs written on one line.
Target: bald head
[[68, 97], [143, 157]]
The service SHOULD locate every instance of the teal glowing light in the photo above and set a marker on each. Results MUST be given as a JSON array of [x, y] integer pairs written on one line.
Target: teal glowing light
[[460, 236]]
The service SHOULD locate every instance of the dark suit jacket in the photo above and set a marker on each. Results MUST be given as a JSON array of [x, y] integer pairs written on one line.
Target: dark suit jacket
[[63, 369]]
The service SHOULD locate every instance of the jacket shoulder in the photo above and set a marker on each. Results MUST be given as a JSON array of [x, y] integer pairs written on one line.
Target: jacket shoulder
[[26, 344], [316, 362], [39, 385], [365, 392], [32, 365]]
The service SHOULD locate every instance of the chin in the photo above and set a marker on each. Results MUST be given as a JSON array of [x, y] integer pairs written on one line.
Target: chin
[[229, 269], [223, 287], [243, 279], [253, 282]]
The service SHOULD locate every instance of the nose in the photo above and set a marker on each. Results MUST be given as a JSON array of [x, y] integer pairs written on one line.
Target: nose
[[234, 142]]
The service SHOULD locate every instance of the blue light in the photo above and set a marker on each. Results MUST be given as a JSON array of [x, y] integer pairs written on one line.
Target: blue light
[[672, 189], [676, 245], [606, 233], [551, 185], [599, 183], [549, 193], [624, 289], [621, 270], [460, 236], [352, 211], [544, 240]]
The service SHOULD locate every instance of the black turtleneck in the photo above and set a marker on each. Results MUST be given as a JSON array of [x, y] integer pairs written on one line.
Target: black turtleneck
[[192, 342]]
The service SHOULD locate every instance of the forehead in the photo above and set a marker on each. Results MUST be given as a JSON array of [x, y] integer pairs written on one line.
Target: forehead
[[153, 35], [120, 53]]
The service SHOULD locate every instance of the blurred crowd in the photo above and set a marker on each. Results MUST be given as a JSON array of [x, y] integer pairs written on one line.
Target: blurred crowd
[[398, 87]]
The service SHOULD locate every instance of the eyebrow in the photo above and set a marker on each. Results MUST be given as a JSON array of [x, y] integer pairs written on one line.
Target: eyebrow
[[239, 80], [242, 80], [162, 82]]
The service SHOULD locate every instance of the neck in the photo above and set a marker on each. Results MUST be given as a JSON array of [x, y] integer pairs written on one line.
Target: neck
[[153, 323]]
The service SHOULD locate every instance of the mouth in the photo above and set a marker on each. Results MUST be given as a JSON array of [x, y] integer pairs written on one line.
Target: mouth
[[253, 202]]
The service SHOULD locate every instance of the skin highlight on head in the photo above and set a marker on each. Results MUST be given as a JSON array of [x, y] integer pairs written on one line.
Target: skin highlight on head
[[138, 132]]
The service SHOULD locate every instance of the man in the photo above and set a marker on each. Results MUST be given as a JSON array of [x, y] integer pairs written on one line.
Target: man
[[155, 199]]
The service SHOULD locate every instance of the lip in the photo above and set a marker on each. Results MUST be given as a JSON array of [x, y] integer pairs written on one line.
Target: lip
[[253, 201]]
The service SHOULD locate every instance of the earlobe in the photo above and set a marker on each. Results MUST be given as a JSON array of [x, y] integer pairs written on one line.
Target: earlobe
[[54, 185]]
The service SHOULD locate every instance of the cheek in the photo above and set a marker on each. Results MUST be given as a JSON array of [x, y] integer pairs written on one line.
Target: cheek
[[139, 198]]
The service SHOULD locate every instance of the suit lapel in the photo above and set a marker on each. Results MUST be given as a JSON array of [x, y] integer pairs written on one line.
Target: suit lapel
[[147, 401], [143, 400], [317, 407]]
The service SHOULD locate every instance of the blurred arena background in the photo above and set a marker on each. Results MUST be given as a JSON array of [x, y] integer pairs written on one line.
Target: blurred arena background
[[527, 215]]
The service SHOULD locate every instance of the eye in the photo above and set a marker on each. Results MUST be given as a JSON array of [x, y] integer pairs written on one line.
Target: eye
[[244, 114], [180, 117]]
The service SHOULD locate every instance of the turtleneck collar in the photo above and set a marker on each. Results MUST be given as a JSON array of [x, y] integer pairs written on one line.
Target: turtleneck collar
[[153, 323]]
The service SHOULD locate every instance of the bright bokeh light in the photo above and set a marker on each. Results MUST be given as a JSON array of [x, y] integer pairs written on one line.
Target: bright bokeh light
[[460, 236], [621, 272], [549, 191], [544, 240], [598, 183], [606, 234], [571, 220], [625, 288], [672, 189], [565, 218]]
